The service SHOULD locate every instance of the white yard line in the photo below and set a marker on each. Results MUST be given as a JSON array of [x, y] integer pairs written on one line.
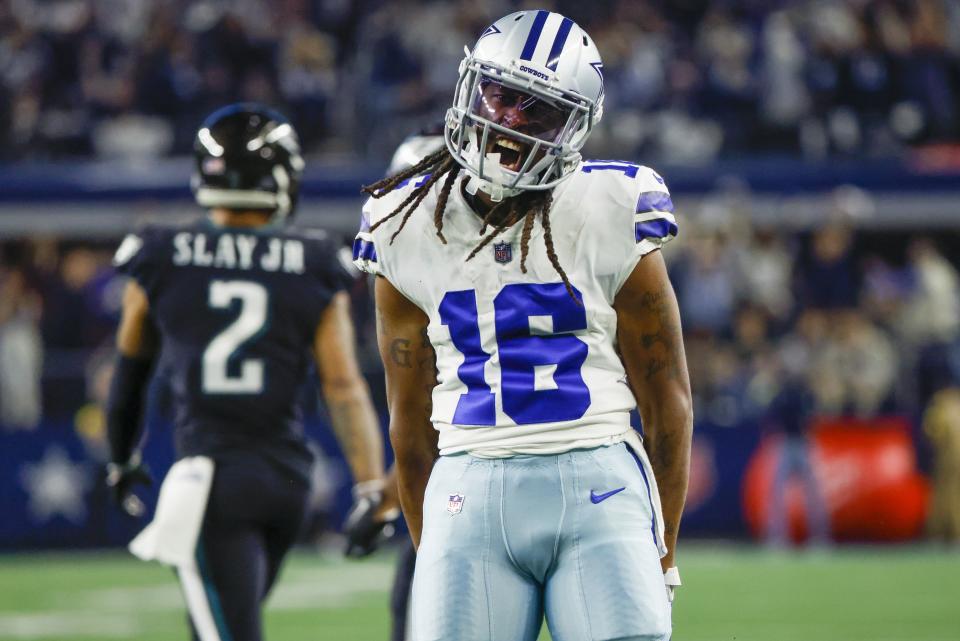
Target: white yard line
[[116, 611], [330, 587], [63, 625]]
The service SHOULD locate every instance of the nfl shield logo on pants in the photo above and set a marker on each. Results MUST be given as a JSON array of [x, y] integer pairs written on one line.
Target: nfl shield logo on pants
[[455, 503], [502, 252]]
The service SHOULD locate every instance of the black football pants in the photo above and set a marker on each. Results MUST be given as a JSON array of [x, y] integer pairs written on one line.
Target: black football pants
[[400, 593], [253, 517]]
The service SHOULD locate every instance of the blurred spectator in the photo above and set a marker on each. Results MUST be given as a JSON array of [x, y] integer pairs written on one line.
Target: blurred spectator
[[885, 290], [791, 414], [853, 371], [308, 79], [785, 97], [79, 312], [704, 278], [931, 313], [21, 352], [827, 277], [725, 48], [798, 350], [764, 271], [941, 422], [929, 320]]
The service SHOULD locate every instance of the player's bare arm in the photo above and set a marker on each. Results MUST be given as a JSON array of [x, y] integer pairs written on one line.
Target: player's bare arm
[[136, 336], [391, 495], [410, 367], [651, 344], [346, 393]]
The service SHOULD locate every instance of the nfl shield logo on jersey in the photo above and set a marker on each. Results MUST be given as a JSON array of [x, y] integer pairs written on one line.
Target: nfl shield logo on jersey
[[455, 503], [503, 252]]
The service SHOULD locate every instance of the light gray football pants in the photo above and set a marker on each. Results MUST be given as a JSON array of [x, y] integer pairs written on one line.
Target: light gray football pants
[[535, 536]]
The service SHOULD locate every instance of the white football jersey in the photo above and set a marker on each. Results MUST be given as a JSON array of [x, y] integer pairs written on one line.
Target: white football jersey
[[522, 367]]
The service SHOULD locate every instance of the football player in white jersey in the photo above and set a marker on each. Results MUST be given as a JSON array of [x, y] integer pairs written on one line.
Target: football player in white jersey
[[524, 310]]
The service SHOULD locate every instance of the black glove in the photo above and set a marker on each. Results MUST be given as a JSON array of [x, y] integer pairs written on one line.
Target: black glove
[[122, 478], [364, 532]]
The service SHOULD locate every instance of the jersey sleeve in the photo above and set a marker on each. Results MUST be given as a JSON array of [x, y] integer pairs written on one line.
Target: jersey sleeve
[[329, 272], [375, 251], [326, 275], [364, 246], [380, 249], [139, 256], [640, 219]]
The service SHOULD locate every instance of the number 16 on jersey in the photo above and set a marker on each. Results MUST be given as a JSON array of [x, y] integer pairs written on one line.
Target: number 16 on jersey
[[540, 358]]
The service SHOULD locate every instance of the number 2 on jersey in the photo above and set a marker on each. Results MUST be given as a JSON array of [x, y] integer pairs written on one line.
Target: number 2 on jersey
[[540, 359], [251, 320]]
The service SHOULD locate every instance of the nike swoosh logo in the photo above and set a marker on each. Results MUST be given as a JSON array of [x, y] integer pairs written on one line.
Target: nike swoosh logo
[[597, 498]]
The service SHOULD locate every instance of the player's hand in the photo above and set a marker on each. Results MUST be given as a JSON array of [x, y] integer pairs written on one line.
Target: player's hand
[[671, 579], [368, 524], [122, 478]]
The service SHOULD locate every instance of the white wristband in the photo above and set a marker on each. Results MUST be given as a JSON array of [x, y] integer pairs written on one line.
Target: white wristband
[[672, 577]]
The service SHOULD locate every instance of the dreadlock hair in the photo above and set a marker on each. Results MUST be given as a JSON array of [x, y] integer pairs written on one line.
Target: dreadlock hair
[[527, 205]]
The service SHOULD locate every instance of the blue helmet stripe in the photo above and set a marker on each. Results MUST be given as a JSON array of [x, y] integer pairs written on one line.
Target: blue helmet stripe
[[534, 37], [554, 58]]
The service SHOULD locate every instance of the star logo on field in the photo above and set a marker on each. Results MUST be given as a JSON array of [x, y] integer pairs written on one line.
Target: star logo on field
[[56, 486]]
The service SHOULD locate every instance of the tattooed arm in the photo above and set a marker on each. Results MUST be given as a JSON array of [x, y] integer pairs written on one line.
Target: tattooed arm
[[410, 367], [346, 393], [651, 345]]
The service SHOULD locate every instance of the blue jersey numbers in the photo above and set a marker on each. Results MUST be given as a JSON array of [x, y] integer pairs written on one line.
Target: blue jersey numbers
[[458, 311], [540, 357]]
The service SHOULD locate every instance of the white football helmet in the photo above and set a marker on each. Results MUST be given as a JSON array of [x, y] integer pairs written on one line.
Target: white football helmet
[[529, 94]]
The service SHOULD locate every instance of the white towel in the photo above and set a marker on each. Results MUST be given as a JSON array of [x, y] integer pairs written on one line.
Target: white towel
[[171, 537]]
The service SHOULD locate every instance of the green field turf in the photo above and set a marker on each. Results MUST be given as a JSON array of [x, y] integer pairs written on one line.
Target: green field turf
[[730, 593]]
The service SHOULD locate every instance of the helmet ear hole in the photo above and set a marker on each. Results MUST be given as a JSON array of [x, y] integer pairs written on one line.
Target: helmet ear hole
[[247, 158]]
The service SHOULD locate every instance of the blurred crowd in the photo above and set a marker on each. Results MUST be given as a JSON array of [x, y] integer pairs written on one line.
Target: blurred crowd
[[59, 306], [868, 323], [686, 80]]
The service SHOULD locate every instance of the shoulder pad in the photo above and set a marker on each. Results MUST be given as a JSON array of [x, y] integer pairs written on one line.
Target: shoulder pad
[[365, 245], [139, 245], [130, 246], [379, 207], [637, 188], [142, 255]]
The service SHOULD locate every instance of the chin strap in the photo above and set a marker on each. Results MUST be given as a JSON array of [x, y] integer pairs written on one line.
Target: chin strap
[[494, 187], [474, 184]]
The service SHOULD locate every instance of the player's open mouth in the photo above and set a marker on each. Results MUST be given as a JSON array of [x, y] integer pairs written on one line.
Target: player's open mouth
[[512, 152]]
